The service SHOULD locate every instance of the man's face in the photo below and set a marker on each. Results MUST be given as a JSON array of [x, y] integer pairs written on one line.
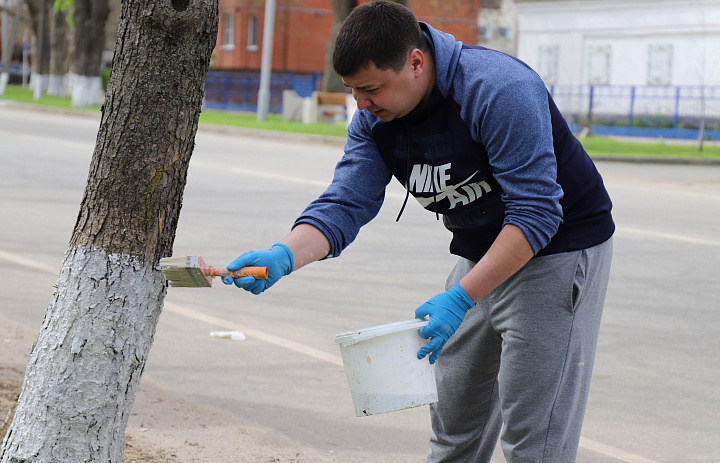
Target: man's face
[[386, 93]]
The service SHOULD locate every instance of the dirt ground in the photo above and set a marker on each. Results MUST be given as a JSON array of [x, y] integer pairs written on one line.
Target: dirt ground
[[14, 349], [163, 428]]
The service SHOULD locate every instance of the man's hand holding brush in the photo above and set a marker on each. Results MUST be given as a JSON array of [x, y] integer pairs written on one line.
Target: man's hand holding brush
[[304, 244], [278, 260]]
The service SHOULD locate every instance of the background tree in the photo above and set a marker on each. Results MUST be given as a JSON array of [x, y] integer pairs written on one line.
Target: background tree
[[40, 20], [84, 369], [331, 81], [90, 18], [58, 50], [10, 21]]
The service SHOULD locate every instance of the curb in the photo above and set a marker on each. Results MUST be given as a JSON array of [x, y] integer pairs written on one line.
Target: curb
[[272, 134], [656, 160], [340, 141], [49, 109], [222, 129]]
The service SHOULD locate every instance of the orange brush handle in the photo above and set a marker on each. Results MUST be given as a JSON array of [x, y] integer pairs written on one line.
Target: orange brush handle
[[261, 273]]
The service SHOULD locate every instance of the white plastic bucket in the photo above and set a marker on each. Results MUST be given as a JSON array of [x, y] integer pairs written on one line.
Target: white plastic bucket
[[383, 370]]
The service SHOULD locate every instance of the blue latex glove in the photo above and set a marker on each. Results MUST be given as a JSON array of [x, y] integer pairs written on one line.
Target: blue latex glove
[[446, 311], [278, 259]]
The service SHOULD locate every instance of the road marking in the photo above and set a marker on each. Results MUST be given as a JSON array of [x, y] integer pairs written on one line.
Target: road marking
[[20, 260], [50, 140], [257, 173], [702, 189], [612, 452], [668, 236], [257, 334], [596, 447], [189, 313], [323, 184]]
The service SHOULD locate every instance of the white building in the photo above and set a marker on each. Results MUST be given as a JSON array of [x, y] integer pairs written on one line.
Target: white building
[[621, 42], [497, 26]]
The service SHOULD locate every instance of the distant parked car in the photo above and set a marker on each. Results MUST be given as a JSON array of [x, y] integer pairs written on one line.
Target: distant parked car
[[16, 73]]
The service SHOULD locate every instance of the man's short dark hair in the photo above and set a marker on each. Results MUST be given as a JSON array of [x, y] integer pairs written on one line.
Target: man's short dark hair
[[380, 32]]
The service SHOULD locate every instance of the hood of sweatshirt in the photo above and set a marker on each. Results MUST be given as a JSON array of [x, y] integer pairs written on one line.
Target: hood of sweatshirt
[[446, 52]]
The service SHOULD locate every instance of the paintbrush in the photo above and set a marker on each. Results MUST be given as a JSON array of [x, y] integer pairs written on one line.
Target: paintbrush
[[192, 272]]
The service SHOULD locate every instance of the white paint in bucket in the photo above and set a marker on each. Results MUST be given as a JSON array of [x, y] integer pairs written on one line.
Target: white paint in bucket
[[383, 370]]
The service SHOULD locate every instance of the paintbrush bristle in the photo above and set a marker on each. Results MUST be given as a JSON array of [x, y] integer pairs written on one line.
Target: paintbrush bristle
[[185, 271]]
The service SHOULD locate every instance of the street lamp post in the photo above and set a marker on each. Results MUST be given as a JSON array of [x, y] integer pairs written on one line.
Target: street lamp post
[[266, 66]]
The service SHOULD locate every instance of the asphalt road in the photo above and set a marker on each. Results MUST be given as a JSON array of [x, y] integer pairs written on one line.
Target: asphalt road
[[655, 395]]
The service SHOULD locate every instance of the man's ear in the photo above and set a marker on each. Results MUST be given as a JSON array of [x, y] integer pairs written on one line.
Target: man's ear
[[416, 59]]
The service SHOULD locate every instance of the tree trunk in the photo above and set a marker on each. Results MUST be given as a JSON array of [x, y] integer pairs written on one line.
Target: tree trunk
[[84, 369], [40, 19], [331, 81], [10, 26], [58, 53], [90, 17]]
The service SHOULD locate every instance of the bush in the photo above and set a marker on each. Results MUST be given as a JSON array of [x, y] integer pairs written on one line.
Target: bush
[[105, 74]]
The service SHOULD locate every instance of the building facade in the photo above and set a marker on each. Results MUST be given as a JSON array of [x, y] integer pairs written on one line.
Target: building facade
[[497, 26], [302, 31], [621, 42]]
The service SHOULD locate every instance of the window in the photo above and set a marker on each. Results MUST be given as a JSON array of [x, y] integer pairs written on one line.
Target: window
[[228, 31], [548, 63], [505, 32], [660, 64], [599, 65], [485, 33], [252, 33]]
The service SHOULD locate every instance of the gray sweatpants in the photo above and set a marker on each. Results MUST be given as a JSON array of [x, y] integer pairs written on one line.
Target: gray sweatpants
[[522, 357]]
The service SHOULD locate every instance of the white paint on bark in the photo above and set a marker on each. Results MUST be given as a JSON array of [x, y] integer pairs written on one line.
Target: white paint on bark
[[85, 366], [4, 79], [38, 84], [56, 85], [87, 91]]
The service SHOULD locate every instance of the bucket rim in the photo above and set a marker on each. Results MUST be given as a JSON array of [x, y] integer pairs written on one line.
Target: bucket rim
[[353, 337]]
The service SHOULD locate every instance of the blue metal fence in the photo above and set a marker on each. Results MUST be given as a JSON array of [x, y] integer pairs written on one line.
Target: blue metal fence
[[648, 111], [238, 91]]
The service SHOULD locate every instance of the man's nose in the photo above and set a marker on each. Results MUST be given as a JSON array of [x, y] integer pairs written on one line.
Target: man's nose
[[362, 101]]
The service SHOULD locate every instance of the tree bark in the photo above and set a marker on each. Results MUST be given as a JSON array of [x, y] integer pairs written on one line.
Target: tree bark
[[90, 17], [40, 19], [85, 367]]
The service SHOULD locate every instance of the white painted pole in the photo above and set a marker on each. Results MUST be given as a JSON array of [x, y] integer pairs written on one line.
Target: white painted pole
[[266, 66], [26, 50]]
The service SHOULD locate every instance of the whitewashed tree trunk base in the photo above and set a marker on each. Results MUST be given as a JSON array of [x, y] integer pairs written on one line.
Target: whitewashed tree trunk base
[[87, 91], [38, 84], [56, 85], [86, 364], [4, 79]]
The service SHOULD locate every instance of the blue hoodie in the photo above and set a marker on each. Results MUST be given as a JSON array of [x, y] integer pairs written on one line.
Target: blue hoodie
[[489, 148]]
